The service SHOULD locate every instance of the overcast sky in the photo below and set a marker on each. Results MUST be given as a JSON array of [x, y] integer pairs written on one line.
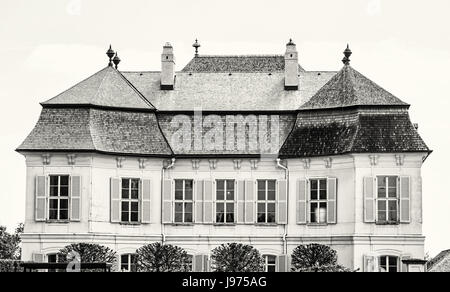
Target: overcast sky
[[403, 45]]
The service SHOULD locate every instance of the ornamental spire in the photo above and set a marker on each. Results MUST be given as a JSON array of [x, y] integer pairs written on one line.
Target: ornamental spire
[[347, 54], [196, 45], [110, 53]]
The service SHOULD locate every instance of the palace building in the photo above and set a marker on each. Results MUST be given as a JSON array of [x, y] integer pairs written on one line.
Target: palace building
[[248, 149]]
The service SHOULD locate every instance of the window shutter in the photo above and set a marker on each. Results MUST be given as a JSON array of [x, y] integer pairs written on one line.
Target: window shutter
[[370, 263], [241, 202], [369, 199], [405, 199], [145, 201], [208, 201], [115, 200], [332, 201], [283, 263], [41, 198], [38, 257], [282, 202], [249, 202], [167, 202], [404, 267], [206, 264], [75, 198], [200, 263], [301, 201], [199, 186]]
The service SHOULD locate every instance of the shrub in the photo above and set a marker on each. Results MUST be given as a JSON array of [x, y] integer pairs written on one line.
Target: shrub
[[157, 257], [236, 257], [315, 258]]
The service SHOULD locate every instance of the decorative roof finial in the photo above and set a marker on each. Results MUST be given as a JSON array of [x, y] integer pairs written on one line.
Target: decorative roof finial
[[117, 60], [110, 53], [196, 45], [291, 43], [347, 54]]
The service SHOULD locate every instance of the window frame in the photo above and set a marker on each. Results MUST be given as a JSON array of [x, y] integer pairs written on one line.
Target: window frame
[[131, 266], [130, 200], [387, 200], [183, 202], [388, 265], [266, 202], [317, 201], [225, 202], [58, 198], [266, 263]]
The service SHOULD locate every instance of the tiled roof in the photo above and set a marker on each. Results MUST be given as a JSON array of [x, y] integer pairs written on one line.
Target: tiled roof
[[227, 64], [225, 92], [107, 131], [107, 88], [433, 263], [350, 88], [283, 125], [352, 131]]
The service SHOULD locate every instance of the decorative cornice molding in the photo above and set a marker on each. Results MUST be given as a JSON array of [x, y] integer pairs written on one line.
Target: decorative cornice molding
[[71, 159], [195, 164], [306, 163], [400, 159], [373, 160], [328, 162], [142, 162], [237, 164], [254, 164], [212, 164]]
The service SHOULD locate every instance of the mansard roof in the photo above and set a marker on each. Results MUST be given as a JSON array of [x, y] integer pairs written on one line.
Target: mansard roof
[[234, 64], [350, 88], [106, 88], [97, 130]]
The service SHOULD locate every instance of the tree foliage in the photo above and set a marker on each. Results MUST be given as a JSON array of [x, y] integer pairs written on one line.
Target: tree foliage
[[88, 252], [236, 257], [157, 257], [10, 243], [316, 258]]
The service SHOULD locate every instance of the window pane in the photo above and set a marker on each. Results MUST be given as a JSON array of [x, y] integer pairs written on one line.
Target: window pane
[[53, 214], [220, 218], [64, 181], [179, 195], [392, 211], [220, 196], [125, 183], [313, 184], [188, 193], [188, 218], [134, 216], [270, 217], [125, 194], [271, 196], [261, 185], [220, 208], [178, 185], [230, 208], [64, 191], [382, 186], [323, 194], [188, 207], [323, 212], [135, 194], [314, 210], [230, 185], [135, 184], [271, 260], [392, 192], [125, 206], [314, 195], [271, 269], [261, 208], [125, 216], [261, 217], [134, 206], [188, 185], [178, 217], [392, 182], [179, 207], [271, 185], [53, 204], [230, 195], [382, 205], [323, 184], [271, 207], [53, 191], [230, 217], [261, 195], [392, 261], [63, 214], [220, 184], [64, 204], [53, 180]]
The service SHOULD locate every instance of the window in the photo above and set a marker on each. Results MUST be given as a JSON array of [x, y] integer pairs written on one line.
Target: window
[[266, 201], [52, 258], [388, 264], [189, 262], [270, 263], [318, 201], [183, 201], [130, 200], [59, 197], [387, 199], [225, 201], [128, 262]]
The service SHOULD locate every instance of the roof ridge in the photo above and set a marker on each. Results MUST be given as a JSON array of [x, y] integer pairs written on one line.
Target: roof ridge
[[241, 56], [136, 90]]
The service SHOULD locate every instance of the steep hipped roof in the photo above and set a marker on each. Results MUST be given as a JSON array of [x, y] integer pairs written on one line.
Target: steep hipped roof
[[97, 130], [227, 64], [350, 88], [106, 88], [440, 263], [352, 131], [224, 92]]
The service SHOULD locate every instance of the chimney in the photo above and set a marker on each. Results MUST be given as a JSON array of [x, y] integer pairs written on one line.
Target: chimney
[[291, 80], [167, 68]]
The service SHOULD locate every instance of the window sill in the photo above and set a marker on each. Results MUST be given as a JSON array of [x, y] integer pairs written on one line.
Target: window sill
[[130, 224], [181, 224], [317, 224], [267, 224], [387, 223], [57, 221], [225, 224]]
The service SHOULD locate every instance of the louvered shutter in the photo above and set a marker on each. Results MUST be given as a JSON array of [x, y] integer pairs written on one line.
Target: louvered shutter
[[167, 202], [241, 202], [249, 202], [282, 202], [146, 187], [405, 199], [41, 198], [115, 200], [208, 203], [301, 202], [369, 199], [199, 189], [75, 198], [332, 201], [283, 263]]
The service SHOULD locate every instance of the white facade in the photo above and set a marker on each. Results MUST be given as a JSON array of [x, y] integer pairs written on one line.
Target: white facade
[[357, 242]]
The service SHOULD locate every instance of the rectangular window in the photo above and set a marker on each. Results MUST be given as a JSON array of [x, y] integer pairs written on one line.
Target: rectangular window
[[318, 201], [387, 199], [128, 263], [59, 197], [388, 264], [266, 201], [52, 258], [270, 263], [184, 201], [225, 201], [130, 200]]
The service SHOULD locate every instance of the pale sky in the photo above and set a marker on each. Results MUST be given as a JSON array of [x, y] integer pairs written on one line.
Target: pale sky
[[403, 45]]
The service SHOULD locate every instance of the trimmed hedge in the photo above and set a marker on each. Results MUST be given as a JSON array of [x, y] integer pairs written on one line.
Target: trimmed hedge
[[8, 266]]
